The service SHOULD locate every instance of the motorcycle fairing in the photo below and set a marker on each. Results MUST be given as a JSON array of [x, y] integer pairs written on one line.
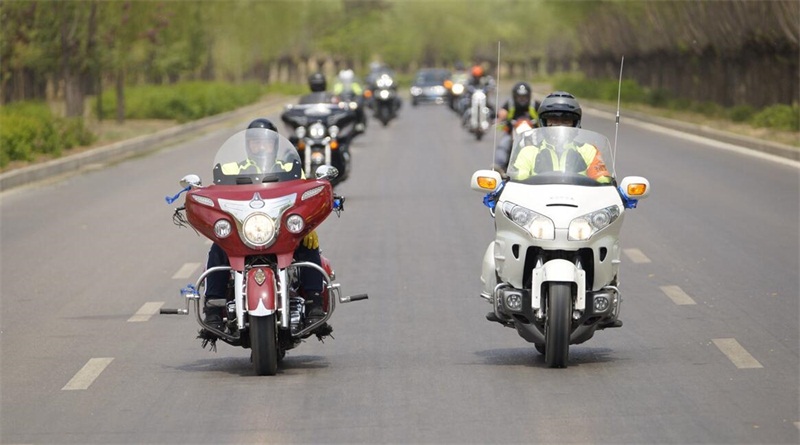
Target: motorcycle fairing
[[206, 205], [561, 203]]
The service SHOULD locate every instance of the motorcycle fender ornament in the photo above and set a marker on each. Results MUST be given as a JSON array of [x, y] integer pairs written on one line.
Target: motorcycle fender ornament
[[261, 291]]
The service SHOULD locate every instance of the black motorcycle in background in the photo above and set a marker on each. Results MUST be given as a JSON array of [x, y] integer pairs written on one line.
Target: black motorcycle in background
[[322, 134], [385, 102]]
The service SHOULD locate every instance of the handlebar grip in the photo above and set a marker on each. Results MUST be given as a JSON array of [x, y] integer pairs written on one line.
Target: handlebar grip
[[354, 298]]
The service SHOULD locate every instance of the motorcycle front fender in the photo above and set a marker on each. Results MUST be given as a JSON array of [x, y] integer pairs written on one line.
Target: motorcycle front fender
[[561, 271], [261, 291]]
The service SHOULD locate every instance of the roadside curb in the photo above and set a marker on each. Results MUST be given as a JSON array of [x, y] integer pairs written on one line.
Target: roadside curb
[[127, 148]]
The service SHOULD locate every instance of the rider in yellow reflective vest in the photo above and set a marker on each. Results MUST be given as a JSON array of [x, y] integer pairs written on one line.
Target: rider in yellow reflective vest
[[561, 109]]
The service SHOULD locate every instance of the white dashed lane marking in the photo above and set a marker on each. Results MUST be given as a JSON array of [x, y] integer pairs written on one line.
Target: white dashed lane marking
[[736, 353], [677, 295], [146, 311], [186, 271], [636, 256], [88, 374]]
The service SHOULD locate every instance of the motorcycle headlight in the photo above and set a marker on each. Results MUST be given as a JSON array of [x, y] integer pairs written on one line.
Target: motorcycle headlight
[[317, 130], [384, 94], [258, 229], [300, 132], [333, 130], [458, 89], [584, 227], [353, 105], [538, 225]]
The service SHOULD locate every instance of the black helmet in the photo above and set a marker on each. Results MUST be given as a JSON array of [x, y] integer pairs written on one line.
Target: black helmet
[[317, 82], [263, 123], [521, 94], [560, 104], [261, 142]]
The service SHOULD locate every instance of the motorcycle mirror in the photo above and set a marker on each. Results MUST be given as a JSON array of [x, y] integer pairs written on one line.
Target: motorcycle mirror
[[191, 180], [486, 181], [327, 172], [635, 187]]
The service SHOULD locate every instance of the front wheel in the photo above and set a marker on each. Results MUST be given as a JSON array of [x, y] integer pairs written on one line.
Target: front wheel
[[557, 325], [264, 343]]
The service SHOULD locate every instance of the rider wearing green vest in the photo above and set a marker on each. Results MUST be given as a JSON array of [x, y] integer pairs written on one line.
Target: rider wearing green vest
[[561, 109], [519, 108]]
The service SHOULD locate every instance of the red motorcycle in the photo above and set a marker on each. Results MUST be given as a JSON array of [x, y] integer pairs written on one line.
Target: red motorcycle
[[258, 210]]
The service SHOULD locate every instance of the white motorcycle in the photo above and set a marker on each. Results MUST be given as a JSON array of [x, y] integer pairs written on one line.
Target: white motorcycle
[[478, 115], [552, 272]]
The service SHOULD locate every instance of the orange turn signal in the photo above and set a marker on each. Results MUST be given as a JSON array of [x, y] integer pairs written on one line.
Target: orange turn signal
[[368, 94], [301, 145], [487, 183], [334, 145], [636, 189], [448, 84]]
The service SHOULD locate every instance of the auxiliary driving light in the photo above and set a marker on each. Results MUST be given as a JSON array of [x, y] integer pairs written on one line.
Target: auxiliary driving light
[[601, 303], [222, 228], [513, 300]]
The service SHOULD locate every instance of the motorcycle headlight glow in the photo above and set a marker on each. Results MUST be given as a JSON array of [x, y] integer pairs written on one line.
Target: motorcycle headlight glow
[[333, 130], [258, 229], [584, 227], [458, 89], [222, 228], [295, 223], [300, 132], [538, 225], [317, 130], [384, 94]]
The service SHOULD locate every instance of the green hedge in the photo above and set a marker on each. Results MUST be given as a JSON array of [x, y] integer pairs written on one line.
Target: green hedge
[[29, 129], [780, 117]]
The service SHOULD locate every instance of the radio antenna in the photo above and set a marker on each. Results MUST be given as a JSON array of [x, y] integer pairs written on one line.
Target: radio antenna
[[496, 104], [616, 125]]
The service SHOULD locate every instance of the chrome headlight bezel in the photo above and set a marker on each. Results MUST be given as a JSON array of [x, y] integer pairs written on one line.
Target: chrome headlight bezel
[[584, 227], [258, 229], [536, 224], [300, 132]]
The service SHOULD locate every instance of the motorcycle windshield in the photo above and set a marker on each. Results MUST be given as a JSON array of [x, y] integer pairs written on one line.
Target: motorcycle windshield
[[561, 155], [254, 156]]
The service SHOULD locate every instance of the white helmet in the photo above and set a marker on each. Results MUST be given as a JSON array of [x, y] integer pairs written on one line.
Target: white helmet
[[346, 75]]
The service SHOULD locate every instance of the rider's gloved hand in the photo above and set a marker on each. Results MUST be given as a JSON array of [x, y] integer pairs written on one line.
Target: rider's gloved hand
[[311, 240]]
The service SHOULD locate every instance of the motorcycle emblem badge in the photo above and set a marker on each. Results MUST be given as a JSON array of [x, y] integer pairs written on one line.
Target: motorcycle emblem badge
[[260, 276], [256, 202]]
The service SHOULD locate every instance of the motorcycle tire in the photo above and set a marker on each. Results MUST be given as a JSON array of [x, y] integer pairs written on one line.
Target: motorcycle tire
[[557, 328], [264, 344]]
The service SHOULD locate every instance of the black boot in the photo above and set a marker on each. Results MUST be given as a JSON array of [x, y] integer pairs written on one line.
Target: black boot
[[214, 309], [315, 313]]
